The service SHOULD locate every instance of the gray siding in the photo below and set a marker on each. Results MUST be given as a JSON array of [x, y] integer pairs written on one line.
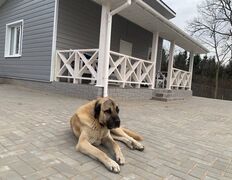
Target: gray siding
[[78, 24], [38, 18], [79, 27], [128, 31]]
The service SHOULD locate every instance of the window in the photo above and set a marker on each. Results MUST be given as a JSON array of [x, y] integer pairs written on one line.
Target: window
[[125, 47], [13, 41]]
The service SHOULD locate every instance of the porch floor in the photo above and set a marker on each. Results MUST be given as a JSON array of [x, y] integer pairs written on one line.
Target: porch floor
[[183, 139]]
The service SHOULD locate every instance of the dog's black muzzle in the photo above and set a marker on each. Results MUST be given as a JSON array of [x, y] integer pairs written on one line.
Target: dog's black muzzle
[[113, 122]]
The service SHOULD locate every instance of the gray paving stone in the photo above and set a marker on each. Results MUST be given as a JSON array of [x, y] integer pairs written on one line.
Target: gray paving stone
[[210, 178], [57, 177], [172, 177], [40, 174], [11, 175], [22, 168], [183, 140], [66, 170], [198, 172], [220, 165]]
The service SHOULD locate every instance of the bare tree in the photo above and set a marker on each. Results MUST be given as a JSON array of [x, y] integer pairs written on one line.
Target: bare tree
[[213, 27]]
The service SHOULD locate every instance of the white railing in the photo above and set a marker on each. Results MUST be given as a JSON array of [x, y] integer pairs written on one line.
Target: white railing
[[180, 79], [77, 65], [129, 70]]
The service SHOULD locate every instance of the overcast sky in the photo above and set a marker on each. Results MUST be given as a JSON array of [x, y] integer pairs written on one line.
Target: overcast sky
[[185, 11]]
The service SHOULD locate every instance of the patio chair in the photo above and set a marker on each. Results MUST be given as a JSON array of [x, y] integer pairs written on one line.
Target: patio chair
[[160, 79]]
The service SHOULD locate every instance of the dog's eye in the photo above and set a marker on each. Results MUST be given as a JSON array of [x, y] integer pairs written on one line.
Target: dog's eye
[[108, 111], [117, 109]]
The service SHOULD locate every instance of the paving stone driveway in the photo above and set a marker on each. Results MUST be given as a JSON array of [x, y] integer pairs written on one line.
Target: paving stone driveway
[[184, 140]]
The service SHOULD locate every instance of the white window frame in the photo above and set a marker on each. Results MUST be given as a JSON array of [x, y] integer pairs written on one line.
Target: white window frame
[[8, 39]]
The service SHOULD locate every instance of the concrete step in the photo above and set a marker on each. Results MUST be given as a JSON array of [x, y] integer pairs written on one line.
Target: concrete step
[[164, 95], [167, 99], [162, 91]]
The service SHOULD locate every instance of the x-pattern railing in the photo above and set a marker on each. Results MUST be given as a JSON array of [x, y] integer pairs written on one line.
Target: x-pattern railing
[[77, 65], [180, 78], [129, 70]]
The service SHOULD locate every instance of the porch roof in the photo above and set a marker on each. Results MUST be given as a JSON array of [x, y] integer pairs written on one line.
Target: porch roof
[[145, 16]]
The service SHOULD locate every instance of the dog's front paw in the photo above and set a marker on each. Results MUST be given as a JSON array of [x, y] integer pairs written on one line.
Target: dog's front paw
[[138, 146], [120, 159], [113, 166]]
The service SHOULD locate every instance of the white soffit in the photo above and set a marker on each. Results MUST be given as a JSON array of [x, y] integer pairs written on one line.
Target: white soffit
[[151, 20]]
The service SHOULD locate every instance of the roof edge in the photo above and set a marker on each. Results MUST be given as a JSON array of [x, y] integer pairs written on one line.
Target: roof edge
[[171, 25], [168, 8]]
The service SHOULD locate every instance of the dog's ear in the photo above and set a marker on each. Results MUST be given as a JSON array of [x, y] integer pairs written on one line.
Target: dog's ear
[[97, 110]]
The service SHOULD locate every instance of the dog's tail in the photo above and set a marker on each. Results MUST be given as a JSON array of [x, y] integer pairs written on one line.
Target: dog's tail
[[132, 134]]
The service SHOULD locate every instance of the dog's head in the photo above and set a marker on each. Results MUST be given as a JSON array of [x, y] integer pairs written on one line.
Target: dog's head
[[106, 112]]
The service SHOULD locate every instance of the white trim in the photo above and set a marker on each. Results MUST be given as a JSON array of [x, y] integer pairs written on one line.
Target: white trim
[[15, 22], [54, 39], [21, 37], [12, 56], [107, 55], [155, 45], [8, 39], [102, 44]]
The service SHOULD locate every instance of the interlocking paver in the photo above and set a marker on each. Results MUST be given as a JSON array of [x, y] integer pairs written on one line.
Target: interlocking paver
[[10, 175], [40, 174], [65, 169], [57, 177], [189, 139], [198, 172], [22, 168]]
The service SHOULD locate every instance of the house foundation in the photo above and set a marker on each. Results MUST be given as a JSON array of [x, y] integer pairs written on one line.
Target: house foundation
[[87, 91]]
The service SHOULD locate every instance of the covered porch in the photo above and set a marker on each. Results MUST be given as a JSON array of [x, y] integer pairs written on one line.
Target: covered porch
[[103, 67]]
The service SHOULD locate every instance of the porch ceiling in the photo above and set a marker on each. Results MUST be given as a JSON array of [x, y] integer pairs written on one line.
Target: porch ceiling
[[145, 16]]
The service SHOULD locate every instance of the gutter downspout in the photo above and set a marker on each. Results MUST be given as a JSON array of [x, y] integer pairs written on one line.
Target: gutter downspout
[[108, 41]]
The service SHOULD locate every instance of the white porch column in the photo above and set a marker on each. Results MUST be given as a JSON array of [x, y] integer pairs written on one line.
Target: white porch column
[[191, 69], [170, 64], [154, 50], [104, 48]]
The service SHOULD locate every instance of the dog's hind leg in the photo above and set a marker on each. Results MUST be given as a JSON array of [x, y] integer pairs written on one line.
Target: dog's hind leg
[[120, 135], [75, 125]]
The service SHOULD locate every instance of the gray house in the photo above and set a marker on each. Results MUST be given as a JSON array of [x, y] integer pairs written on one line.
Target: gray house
[[102, 46]]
